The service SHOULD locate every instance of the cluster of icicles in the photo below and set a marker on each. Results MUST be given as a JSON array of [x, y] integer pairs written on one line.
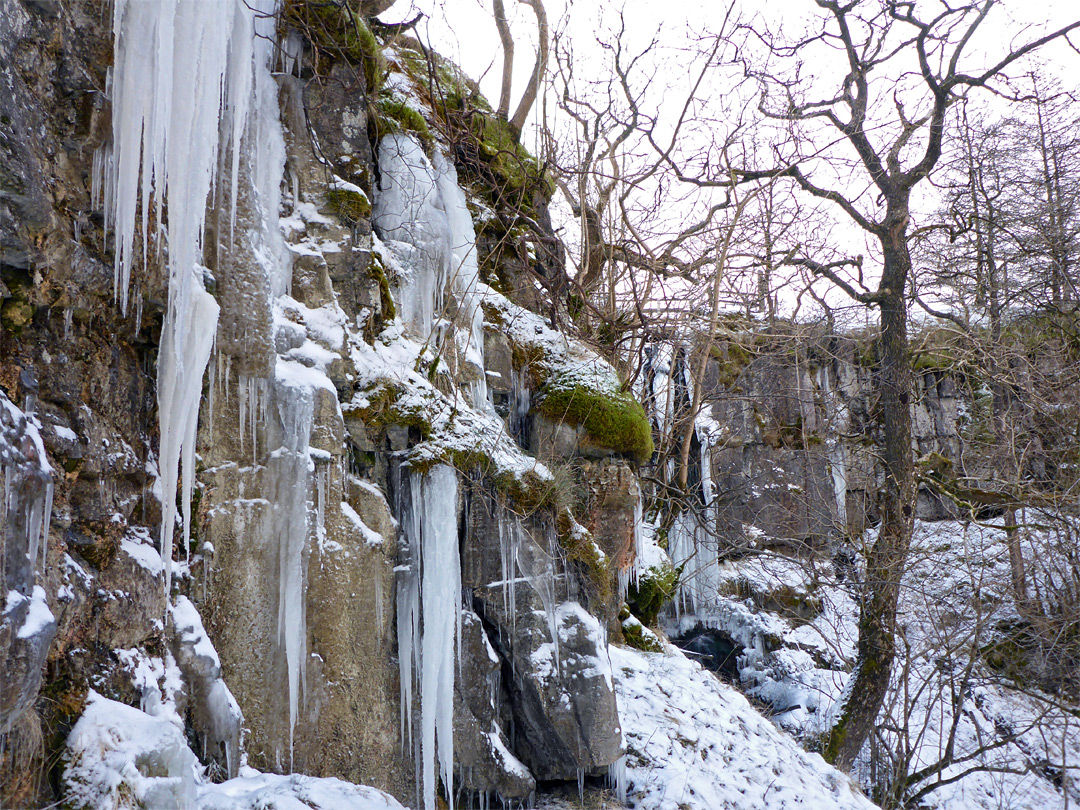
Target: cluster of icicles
[[192, 90]]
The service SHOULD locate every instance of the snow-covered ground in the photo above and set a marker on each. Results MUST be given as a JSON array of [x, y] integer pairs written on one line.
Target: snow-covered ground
[[121, 757], [694, 742], [796, 624]]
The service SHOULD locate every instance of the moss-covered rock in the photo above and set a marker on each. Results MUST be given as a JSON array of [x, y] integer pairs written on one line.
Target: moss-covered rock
[[377, 271], [348, 205], [652, 590], [16, 313], [611, 419], [395, 115], [592, 564], [637, 635], [387, 404], [335, 31], [573, 386]]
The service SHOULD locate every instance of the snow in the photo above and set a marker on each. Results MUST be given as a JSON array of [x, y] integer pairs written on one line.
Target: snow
[[65, 433], [371, 537], [455, 425], [158, 682], [189, 628], [695, 743], [116, 753], [136, 544], [38, 619], [1007, 743]]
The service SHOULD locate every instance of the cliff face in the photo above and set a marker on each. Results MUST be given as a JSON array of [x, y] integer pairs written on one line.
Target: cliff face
[[795, 452], [354, 520], [78, 395]]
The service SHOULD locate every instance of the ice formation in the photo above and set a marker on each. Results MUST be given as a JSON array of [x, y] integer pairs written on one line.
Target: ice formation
[[429, 623], [28, 482], [411, 217], [835, 428], [184, 81], [195, 107], [465, 274]]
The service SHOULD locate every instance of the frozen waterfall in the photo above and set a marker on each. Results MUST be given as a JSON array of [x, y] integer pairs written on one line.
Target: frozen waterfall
[[422, 216], [194, 106]]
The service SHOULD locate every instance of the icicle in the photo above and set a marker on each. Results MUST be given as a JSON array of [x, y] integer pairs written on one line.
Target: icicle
[[836, 426], [520, 405], [441, 597], [289, 470], [408, 614], [28, 481], [409, 215], [429, 622], [617, 778], [177, 67], [465, 274], [378, 608]]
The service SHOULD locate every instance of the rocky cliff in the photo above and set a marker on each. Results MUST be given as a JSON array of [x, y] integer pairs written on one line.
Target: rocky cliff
[[244, 298]]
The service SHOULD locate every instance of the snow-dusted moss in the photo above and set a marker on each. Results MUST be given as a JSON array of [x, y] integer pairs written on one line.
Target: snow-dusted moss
[[349, 205], [637, 635], [572, 384], [610, 417], [582, 549], [397, 115]]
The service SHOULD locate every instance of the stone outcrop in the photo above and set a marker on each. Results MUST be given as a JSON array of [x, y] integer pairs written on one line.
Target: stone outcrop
[[794, 449]]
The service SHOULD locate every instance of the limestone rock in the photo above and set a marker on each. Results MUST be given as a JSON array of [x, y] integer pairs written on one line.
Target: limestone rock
[[481, 750]]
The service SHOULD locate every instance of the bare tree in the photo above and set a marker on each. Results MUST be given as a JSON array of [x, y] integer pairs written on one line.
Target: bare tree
[[532, 87], [892, 134]]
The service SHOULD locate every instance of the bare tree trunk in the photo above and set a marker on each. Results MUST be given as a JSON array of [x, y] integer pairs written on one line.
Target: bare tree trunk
[[885, 558], [508, 58], [528, 97], [1003, 435]]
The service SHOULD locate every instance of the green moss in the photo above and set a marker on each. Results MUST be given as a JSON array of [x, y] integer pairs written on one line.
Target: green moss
[[652, 590], [15, 314], [394, 115], [581, 549], [499, 146], [336, 31], [385, 408], [731, 359], [614, 420], [530, 359], [350, 206], [386, 300], [444, 82], [1010, 656], [636, 635], [932, 360]]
